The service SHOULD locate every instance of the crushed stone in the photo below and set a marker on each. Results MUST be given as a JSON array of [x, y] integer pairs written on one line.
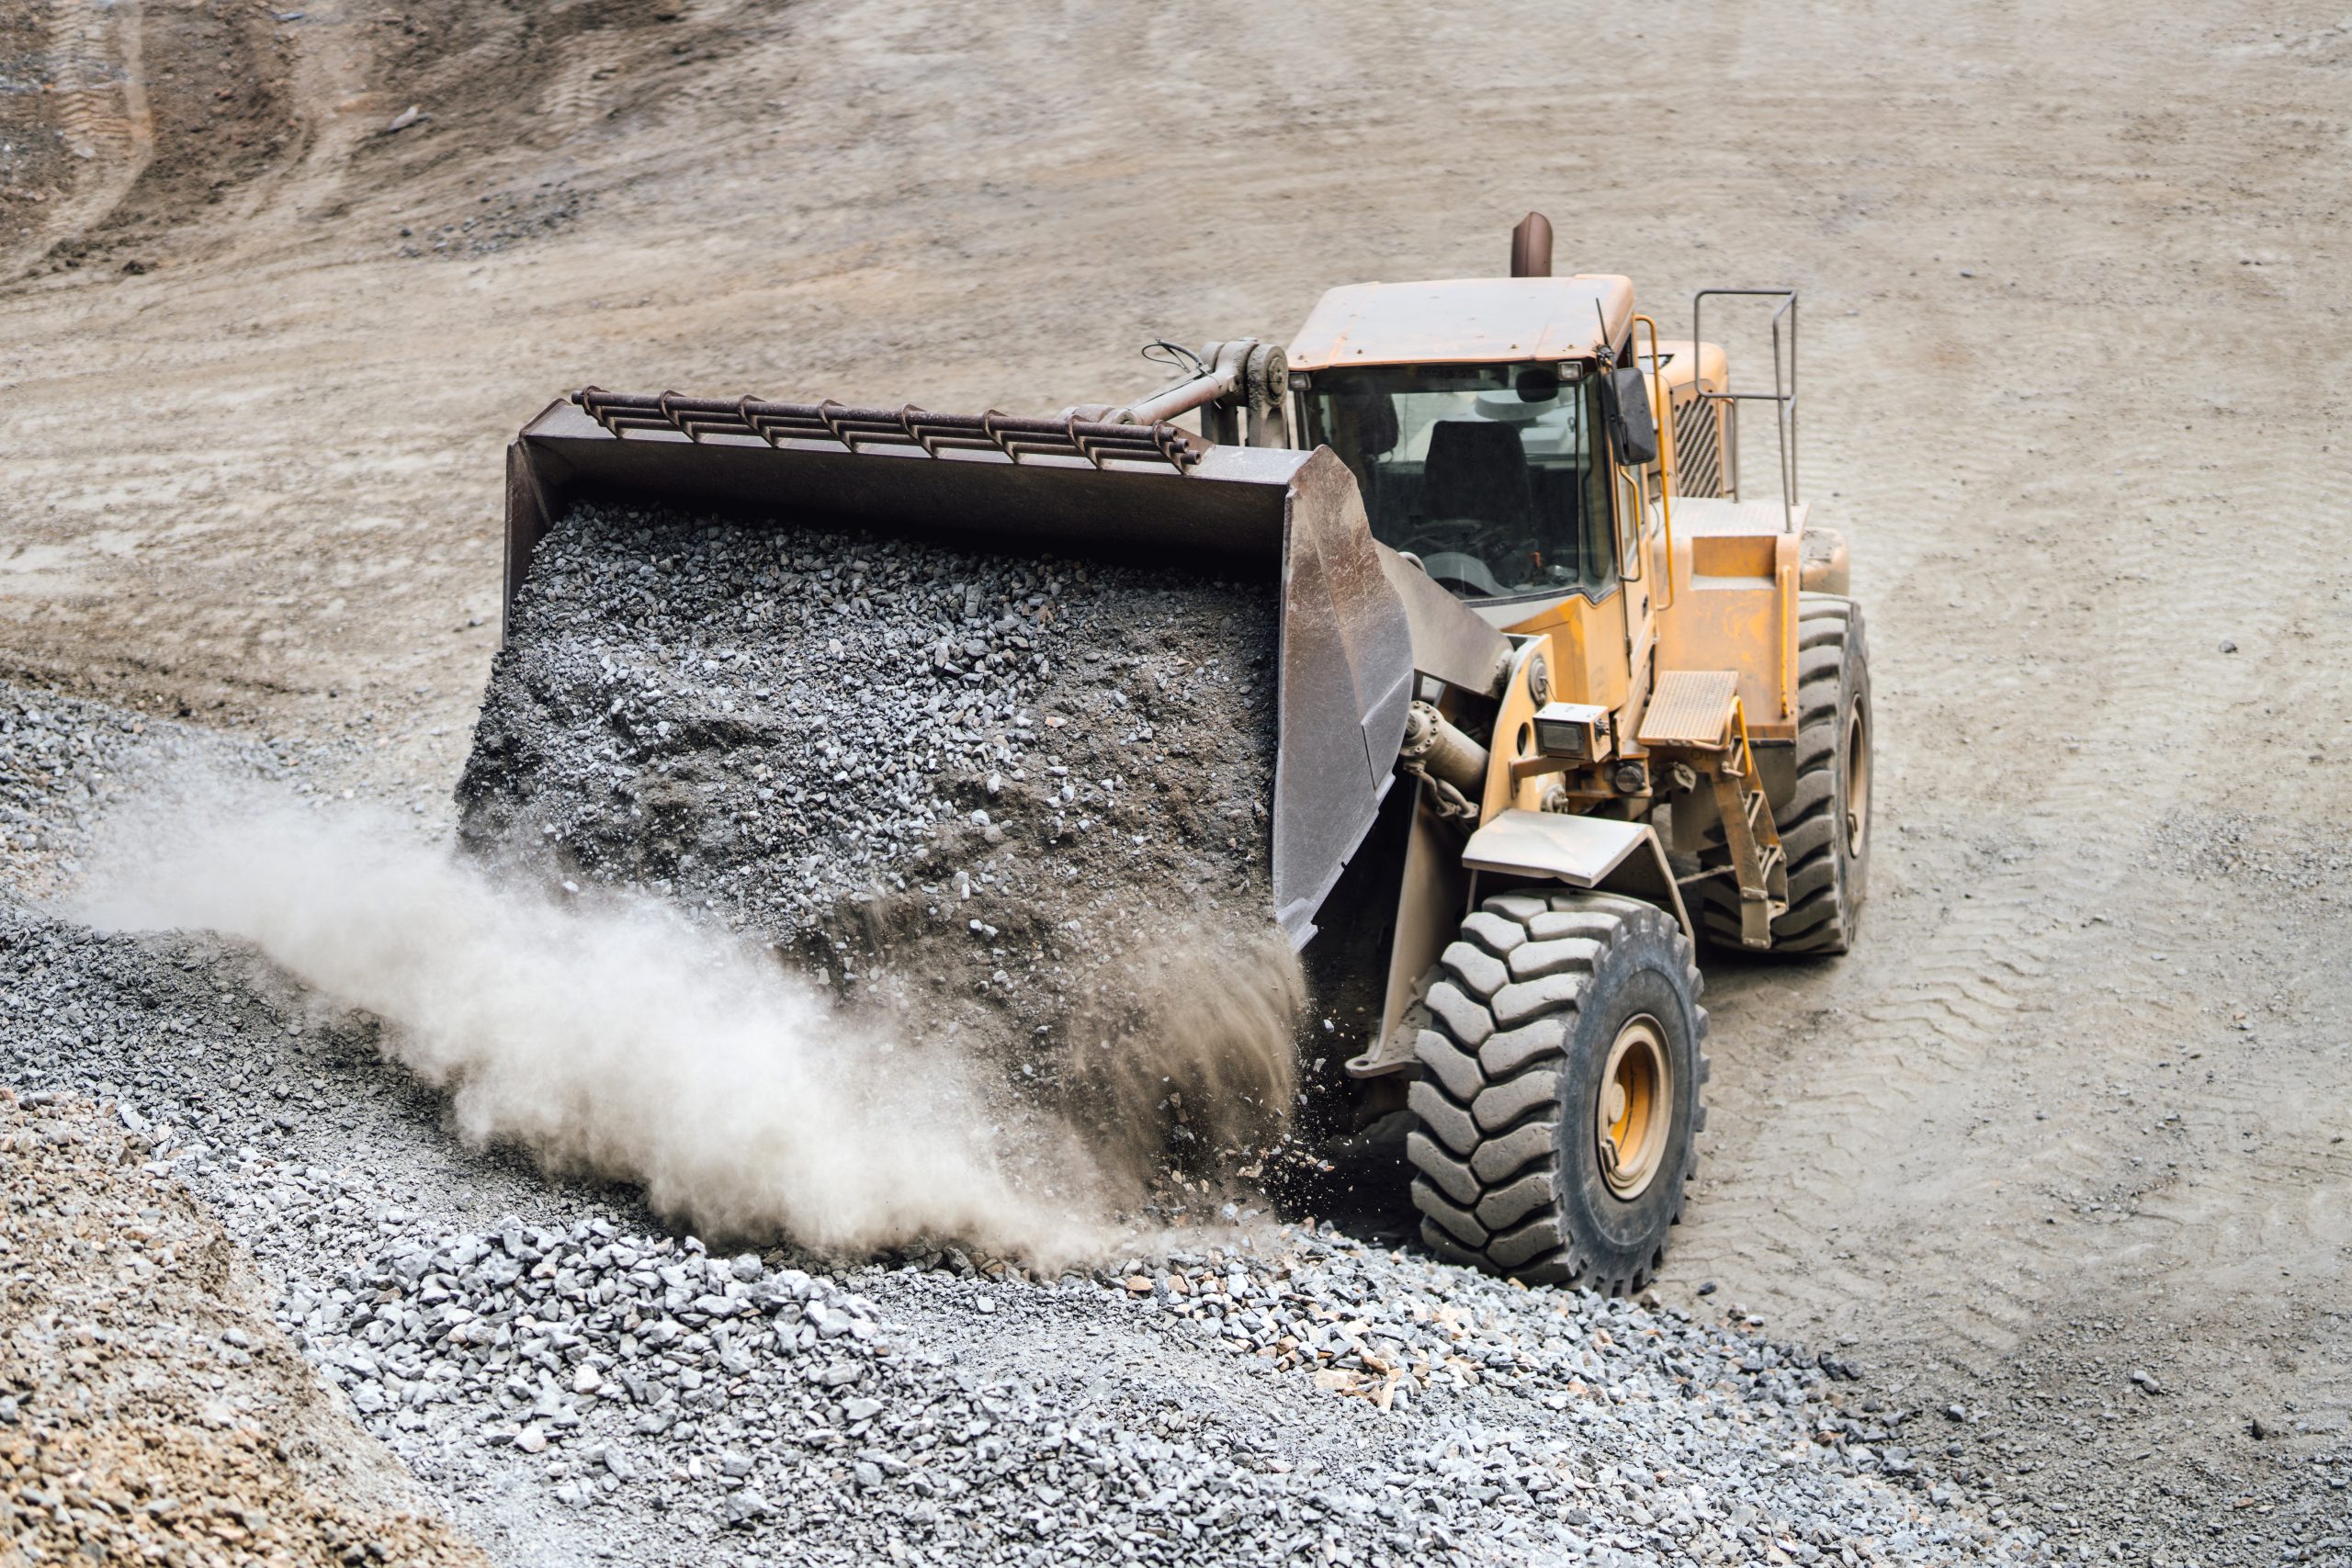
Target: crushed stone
[[63, 759], [1017, 799], [560, 1371]]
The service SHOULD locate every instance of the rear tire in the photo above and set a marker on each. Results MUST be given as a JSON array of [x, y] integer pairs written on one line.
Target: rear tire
[[1552, 1009], [1825, 822]]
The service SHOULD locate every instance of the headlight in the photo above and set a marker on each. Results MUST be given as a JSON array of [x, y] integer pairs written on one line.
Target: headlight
[[1577, 731]]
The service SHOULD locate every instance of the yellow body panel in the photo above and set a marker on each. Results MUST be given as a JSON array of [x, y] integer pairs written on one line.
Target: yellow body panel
[[1684, 360], [1717, 593], [1735, 609], [1587, 648], [1730, 599]]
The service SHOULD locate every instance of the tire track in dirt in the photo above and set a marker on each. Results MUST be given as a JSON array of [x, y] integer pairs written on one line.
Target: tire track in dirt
[[2031, 845], [575, 91], [1924, 1032], [100, 95]]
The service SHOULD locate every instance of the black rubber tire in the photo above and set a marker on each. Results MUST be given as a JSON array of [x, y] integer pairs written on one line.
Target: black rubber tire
[[1828, 872], [1521, 1015]]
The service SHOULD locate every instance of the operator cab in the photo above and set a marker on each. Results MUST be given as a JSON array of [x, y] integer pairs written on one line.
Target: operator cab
[[1486, 474], [1471, 414]]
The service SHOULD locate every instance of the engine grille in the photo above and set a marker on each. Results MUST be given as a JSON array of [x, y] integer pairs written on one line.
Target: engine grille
[[1698, 449]]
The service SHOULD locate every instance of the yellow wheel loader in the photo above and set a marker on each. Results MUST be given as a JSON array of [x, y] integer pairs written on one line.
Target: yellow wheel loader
[[1556, 704]]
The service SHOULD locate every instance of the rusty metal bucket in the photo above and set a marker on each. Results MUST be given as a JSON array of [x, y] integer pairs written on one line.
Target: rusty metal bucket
[[1067, 486]]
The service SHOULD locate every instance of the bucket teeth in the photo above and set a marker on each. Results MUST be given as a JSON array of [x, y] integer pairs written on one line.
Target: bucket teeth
[[631, 416]]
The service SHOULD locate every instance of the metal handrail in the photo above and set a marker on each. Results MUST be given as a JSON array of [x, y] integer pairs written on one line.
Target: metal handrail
[[1784, 395], [1627, 489]]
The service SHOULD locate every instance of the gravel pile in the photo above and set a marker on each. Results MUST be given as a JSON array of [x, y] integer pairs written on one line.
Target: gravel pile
[[565, 1376], [65, 761], [654, 1377], [62, 760], [147, 1410], [979, 787]]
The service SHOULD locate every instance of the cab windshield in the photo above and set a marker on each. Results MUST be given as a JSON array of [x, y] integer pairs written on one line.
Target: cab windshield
[[1485, 472]]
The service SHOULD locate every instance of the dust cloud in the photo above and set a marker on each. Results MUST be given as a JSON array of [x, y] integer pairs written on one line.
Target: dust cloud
[[1190, 1059], [610, 1038]]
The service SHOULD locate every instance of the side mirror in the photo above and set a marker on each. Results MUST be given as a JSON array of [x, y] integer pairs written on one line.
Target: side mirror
[[1625, 407]]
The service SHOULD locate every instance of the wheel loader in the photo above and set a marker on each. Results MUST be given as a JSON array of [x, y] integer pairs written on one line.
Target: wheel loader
[[1557, 704]]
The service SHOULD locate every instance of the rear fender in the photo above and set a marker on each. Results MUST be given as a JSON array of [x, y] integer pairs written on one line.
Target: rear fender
[[1823, 565]]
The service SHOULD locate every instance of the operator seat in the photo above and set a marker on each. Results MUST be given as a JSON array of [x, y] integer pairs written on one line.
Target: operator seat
[[1476, 471]]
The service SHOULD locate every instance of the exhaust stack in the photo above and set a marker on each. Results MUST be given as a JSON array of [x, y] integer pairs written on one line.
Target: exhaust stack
[[1531, 247]]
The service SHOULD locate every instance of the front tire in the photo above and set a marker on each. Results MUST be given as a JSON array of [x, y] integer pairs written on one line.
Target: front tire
[[1559, 1098]]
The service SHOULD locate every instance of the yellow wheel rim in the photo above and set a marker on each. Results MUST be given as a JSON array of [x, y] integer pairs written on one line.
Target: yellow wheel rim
[[1858, 782], [1636, 1107]]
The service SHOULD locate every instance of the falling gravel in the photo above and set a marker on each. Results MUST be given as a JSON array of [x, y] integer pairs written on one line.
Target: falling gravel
[[1020, 802], [612, 1039]]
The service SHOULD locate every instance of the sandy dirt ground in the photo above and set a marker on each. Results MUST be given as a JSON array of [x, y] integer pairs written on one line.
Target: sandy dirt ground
[[154, 1412], [2060, 1148]]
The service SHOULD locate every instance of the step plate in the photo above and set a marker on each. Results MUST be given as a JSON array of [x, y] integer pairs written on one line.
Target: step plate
[[1691, 708]]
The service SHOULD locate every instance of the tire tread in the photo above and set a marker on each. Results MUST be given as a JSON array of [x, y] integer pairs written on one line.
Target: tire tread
[[1489, 1098]]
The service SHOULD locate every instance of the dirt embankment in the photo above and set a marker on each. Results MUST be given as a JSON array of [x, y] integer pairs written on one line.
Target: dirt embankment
[[126, 123], [150, 1407], [139, 137]]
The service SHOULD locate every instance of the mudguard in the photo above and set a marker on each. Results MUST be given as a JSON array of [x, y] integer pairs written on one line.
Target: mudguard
[[1583, 852]]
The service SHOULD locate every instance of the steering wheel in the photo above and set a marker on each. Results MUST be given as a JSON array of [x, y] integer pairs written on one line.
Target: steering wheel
[[1436, 535], [1466, 575], [1470, 552]]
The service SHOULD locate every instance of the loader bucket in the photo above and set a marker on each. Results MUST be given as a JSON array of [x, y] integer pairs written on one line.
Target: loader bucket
[[1070, 488]]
